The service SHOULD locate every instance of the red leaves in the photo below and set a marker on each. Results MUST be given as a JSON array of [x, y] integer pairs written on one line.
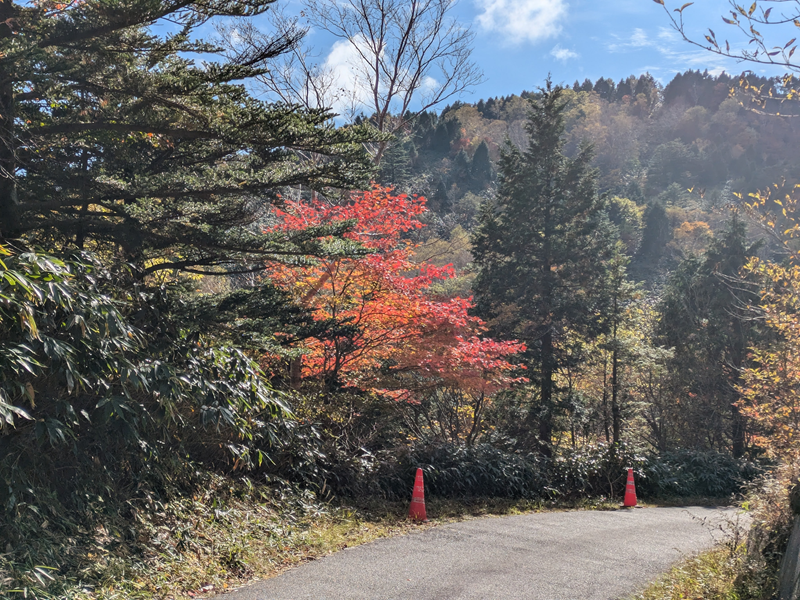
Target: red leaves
[[386, 296]]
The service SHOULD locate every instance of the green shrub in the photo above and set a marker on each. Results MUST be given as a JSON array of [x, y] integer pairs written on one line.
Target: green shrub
[[458, 471], [685, 473], [453, 471], [107, 400]]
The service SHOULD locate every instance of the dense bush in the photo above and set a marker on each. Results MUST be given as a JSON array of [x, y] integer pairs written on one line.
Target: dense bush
[[458, 471], [104, 397], [694, 473], [455, 471]]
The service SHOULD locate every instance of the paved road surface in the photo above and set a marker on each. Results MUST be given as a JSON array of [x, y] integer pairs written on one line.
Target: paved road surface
[[548, 556]]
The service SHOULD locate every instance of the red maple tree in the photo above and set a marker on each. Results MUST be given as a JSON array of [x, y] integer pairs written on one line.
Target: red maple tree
[[402, 340]]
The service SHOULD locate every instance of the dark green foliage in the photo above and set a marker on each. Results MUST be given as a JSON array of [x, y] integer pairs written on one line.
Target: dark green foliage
[[440, 202], [105, 394], [671, 162], [704, 316], [455, 471], [685, 473], [540, 250], [462, 166], [395, 166], [121, 142], [625, 87], [694, 88], [594, 471], [656, 235], [605, 88], [440, 140], [481, 169]]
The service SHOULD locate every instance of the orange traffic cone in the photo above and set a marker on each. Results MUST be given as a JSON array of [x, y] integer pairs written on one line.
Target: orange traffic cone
[[630, 491], [417, 510]]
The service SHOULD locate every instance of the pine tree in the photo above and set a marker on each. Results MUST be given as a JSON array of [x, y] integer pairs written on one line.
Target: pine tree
[[605, 88], [462, 166], [441, 200], [112, 138], [703, 316], [481, 165], [395, 166], [656, 234], [441, 139], [541, 251]]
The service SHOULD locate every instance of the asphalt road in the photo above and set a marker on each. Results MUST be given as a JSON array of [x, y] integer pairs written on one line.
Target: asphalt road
[[590, 555]]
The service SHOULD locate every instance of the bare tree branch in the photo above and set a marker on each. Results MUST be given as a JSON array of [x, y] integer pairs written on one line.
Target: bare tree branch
[[749, 22], [399, 54]]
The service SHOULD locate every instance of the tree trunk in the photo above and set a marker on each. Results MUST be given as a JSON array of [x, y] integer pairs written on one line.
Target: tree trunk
[[737, 431], [9, 218], [546, 412], [606, 423], [615, 411]]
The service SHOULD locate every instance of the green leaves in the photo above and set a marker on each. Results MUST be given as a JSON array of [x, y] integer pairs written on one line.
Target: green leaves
[[73, 363], [172, 161]]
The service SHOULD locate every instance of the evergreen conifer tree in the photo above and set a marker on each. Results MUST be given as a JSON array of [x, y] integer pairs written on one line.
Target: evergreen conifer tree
[[440, 142], [112, 138], [541, 251], [395, 166], [441, 201], [655, 236], [703, 316], [462, 166], [481, 165]]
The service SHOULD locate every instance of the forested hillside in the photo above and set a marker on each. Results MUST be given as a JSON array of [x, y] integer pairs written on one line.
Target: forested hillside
[[223, 317], [679, 152]]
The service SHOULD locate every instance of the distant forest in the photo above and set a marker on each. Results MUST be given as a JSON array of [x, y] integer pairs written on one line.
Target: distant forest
[[678, 152]]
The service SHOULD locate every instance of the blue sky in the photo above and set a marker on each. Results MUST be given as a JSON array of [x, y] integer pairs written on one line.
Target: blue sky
[[518, 42]]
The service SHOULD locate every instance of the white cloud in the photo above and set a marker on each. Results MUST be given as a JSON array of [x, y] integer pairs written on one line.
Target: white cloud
[[563, 54], [638, 39], [351, 79], [342, 65], [676, 54], [522, 20], [235, 36]]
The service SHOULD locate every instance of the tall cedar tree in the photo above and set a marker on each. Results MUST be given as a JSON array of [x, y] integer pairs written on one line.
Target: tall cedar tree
[[541, 250], [113, 139], [704, 316]]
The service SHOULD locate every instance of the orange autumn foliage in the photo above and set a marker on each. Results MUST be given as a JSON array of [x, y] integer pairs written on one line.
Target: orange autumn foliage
[[770, 388], [400, 339]]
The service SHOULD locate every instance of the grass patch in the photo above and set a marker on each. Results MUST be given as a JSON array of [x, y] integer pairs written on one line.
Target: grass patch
[[708, 576]]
